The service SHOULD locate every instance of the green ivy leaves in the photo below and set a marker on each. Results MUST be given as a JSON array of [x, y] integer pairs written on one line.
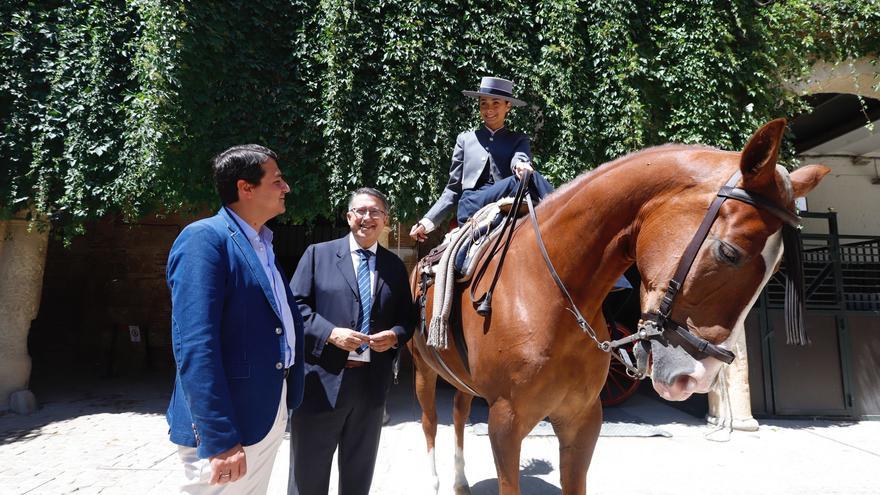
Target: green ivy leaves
[[114, 106]]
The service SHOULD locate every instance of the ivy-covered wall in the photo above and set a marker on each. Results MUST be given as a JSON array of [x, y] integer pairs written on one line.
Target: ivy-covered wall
[[113, 106]]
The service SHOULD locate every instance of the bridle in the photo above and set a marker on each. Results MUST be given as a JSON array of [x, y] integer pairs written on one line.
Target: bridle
[[658, 325]]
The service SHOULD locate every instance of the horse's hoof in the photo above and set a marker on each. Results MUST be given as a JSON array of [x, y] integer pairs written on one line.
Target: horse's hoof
[[461, 490]]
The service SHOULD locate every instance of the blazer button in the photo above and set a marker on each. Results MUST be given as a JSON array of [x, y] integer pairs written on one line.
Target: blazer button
[[278, 331], [278, 366], [351, 324]]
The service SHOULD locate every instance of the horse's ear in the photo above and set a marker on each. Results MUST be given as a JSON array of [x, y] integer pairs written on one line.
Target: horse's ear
[[806, 178], [758, 160]]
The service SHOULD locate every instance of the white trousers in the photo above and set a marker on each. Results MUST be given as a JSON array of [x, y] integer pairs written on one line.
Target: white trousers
[[259, 457]]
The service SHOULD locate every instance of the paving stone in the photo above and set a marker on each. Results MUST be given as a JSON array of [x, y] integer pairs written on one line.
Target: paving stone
[[97, 446]]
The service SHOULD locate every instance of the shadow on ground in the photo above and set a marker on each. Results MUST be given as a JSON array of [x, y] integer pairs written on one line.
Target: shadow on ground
[[527, 484], [68, 397]]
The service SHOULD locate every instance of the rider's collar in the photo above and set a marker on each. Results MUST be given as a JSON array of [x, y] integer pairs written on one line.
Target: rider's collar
[[501, 129]]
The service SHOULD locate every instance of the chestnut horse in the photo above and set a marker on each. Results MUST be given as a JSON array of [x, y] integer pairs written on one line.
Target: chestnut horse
[[530, 358]]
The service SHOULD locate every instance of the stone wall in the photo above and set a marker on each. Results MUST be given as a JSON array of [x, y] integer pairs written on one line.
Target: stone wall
[[851, 189]]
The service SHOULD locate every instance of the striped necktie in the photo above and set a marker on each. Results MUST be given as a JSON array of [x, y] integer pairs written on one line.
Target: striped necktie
[[366, 293]]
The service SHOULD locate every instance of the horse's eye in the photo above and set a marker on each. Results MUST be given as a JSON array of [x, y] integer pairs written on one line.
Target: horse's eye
[[727, 253]]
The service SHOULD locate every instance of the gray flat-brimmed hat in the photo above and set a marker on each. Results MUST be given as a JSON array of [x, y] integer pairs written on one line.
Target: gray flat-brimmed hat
[[495, 87]]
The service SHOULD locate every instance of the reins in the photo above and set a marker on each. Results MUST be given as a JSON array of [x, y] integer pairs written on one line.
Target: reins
[[572, 308], [658, 325], [485, 307]]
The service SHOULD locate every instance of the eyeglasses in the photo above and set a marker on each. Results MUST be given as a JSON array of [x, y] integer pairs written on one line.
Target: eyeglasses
[[372, 212]]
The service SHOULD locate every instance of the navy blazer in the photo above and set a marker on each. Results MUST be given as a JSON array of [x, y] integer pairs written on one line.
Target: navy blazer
[[473, 150], [326, 289], [224, 331]]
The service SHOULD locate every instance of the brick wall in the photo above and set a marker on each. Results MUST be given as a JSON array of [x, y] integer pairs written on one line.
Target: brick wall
[[99, 285], [113, 277]]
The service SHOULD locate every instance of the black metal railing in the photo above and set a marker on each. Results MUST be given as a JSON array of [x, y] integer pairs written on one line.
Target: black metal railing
[[840, 272]]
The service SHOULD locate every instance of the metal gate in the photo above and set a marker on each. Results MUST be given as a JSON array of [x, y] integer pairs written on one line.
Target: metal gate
[[838, 372]]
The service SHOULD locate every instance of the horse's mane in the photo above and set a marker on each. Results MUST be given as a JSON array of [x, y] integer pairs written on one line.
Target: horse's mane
[[609, 166], [589, 175], [606, 167]]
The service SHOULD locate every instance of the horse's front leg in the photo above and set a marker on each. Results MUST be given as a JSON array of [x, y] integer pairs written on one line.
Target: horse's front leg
[[426, 392], [460, 413], [507, 429], [577, 430]]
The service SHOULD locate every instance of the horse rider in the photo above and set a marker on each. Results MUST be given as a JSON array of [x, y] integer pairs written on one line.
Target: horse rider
[[487, 163]]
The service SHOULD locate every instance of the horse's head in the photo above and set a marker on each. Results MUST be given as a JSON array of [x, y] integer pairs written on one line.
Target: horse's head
[[741, 250]]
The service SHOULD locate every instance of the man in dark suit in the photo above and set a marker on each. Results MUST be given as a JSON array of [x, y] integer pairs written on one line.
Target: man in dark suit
[[355, 299], [236, 335]]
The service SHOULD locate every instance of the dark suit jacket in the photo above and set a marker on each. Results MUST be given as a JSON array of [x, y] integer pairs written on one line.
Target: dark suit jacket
[[326, 289], [473, 150], [224, 331]]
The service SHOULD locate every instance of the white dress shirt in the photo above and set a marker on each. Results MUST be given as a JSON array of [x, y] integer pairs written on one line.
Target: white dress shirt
[[262, 244]]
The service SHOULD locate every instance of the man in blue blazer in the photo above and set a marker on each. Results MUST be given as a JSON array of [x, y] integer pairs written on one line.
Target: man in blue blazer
[[236, 335], [355, 299]]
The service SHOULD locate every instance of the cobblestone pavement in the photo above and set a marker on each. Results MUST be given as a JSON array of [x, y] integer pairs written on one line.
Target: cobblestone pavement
[[110, 438]]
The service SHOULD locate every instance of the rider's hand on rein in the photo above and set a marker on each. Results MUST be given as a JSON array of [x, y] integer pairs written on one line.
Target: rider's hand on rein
[[418, 232], [521, 167]]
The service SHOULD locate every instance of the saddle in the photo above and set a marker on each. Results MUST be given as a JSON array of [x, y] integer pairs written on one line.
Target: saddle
[[470, 240], [455, 261]]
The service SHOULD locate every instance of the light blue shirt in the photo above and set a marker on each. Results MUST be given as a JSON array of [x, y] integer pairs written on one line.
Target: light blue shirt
[[262, 244]]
